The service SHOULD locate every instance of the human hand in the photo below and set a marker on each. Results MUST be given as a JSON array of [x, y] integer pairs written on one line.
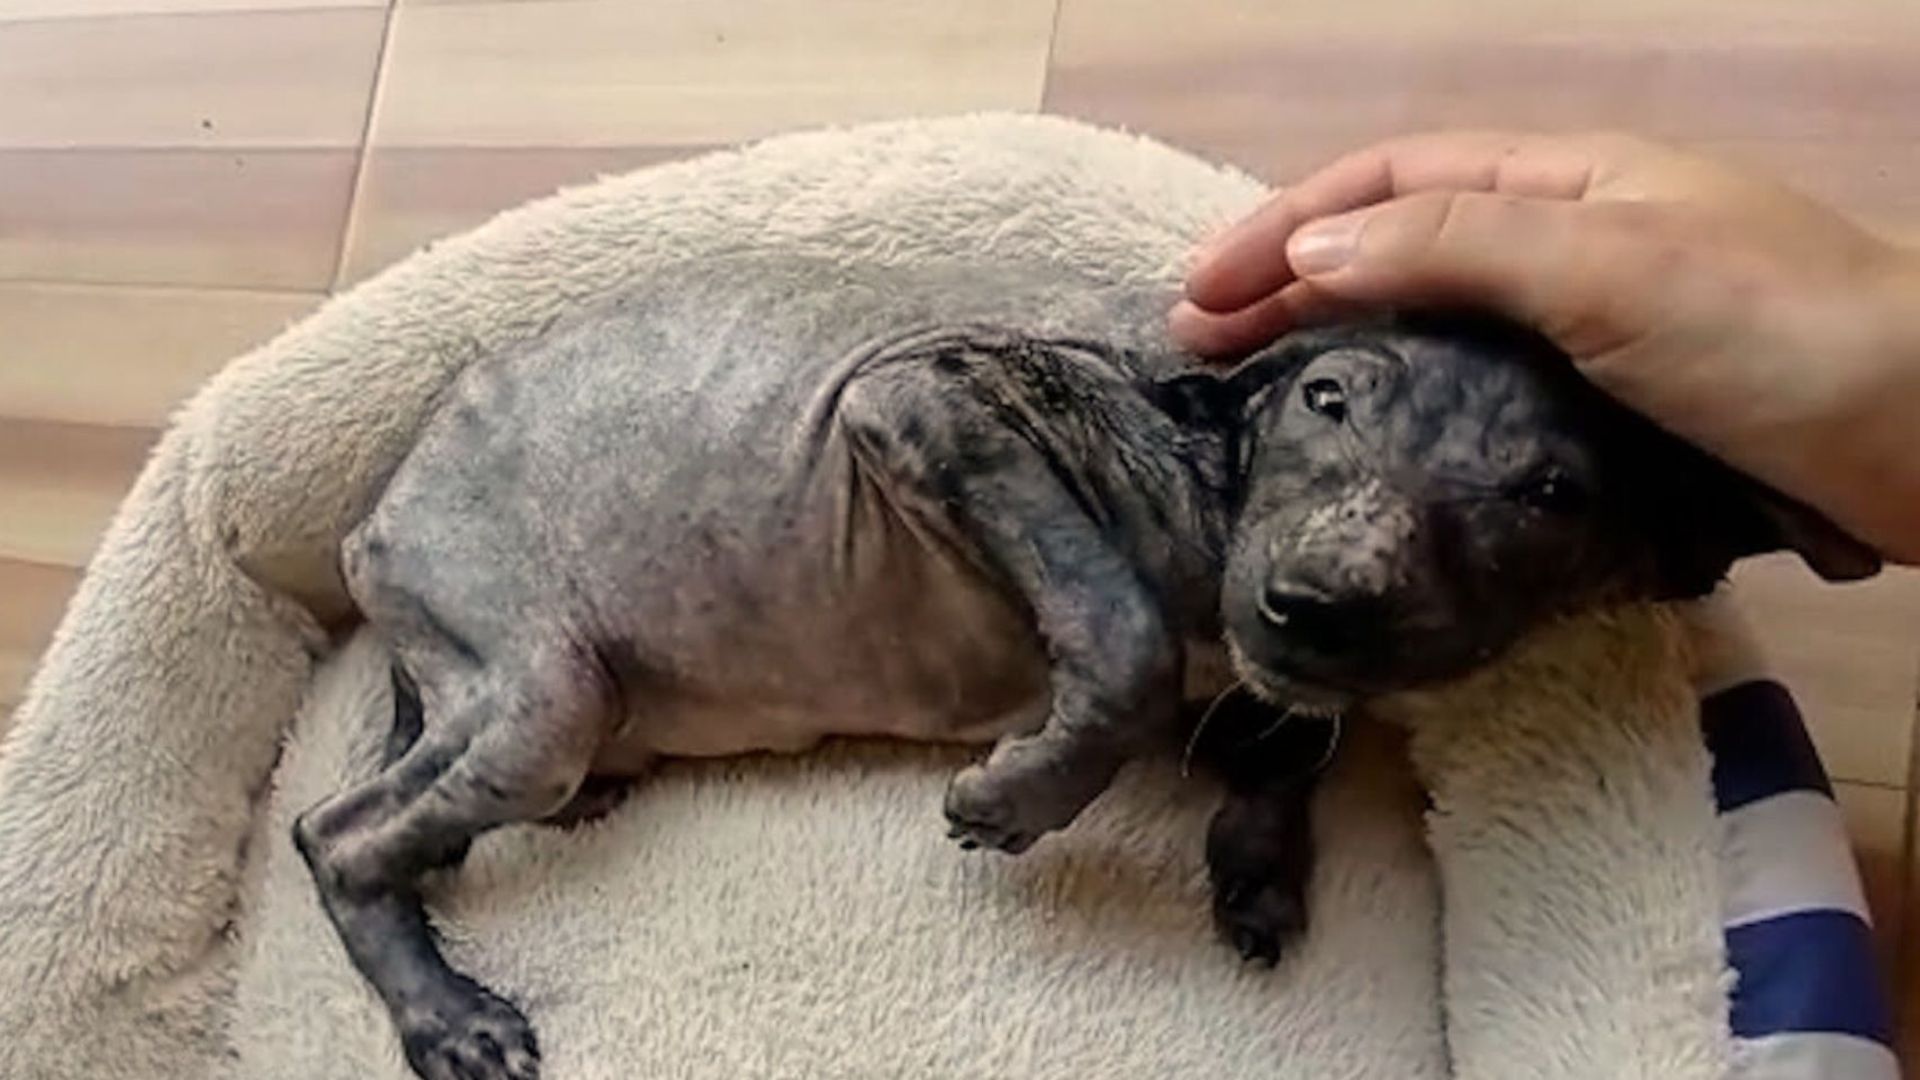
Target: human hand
[[1735, 313]]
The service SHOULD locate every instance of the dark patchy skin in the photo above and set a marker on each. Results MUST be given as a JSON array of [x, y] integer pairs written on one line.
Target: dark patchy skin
[[782, 501]]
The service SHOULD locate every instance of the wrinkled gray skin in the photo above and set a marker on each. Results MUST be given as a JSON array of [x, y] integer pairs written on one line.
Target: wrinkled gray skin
[[782, 502]]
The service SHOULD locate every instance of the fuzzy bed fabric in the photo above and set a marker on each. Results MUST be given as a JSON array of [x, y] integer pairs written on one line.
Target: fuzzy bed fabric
[[803, 917]]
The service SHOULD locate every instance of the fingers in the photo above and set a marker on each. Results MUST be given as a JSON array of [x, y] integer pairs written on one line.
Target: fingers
[[1574, 271], [1233, 334], [1570, 270], [1438, 247], [1243, 264]]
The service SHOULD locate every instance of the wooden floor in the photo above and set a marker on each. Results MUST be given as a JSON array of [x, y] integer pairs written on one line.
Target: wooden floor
[[180, 178]]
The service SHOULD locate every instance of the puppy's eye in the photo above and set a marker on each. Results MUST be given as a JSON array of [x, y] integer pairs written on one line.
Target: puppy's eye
[[1553, 492], [1326, 397]]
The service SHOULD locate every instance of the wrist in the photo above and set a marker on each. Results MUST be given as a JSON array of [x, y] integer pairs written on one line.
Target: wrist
[[1879, 449]]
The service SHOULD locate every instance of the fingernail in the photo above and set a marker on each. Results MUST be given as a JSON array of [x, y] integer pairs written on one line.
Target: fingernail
[[1185, 323], [1203, 253], [1324, 246]]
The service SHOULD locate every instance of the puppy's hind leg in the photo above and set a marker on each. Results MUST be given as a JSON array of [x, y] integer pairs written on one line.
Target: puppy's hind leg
[[511, 741]]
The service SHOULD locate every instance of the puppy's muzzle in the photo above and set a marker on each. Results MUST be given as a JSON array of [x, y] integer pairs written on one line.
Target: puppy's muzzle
[[1315, 622]]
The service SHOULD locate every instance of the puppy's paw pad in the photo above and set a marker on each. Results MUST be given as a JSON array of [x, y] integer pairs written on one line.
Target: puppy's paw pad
[[979, 814], [975, 836], [477, 1036], [1260, 919]]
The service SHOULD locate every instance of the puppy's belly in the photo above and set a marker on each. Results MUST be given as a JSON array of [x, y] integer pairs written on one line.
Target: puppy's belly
[[1008, 701], [717, 728], [916, 647]]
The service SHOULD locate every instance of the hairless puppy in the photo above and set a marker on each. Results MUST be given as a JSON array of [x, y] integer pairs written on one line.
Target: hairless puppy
[[779, 501]]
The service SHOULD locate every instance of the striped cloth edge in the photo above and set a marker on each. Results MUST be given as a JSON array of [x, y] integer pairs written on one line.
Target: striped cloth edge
[[1809, 1001]]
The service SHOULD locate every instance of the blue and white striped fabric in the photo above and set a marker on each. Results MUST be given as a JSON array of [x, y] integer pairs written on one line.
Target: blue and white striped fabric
[[1810, 1001]]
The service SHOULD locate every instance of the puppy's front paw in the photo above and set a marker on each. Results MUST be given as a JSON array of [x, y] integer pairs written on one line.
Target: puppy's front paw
[[470, 1035], [1261, 919], [1026, 788], [981, 814]]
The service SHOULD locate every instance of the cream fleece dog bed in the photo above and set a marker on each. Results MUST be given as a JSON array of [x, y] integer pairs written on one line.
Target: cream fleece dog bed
[[1554, 908]]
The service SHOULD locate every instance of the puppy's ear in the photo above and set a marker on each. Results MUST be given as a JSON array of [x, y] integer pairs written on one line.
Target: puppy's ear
[[1204, 399], [1788, 524], [1722, 516]]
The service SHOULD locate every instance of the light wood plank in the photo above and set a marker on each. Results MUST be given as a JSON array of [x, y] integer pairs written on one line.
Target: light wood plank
[[15, 670], [14, 673], [24, 10], [250, 79], [240, 218], [125, 356], [1780, 22], [1907, 1011], [1877, 824], [409, 196], [60, 483], [582, 73], [1852, 656], [1281, 88], [16, 667], [36, 597], [49, 522]]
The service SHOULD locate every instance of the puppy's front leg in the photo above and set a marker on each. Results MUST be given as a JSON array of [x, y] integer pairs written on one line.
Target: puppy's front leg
[[1260, 849], [1259, 860], [962, 470]]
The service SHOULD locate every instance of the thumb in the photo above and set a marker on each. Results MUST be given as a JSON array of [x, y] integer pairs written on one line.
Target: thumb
[[1554, 264]]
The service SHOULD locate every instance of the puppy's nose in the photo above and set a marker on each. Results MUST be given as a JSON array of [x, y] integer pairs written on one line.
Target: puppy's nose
[[1311, 618]]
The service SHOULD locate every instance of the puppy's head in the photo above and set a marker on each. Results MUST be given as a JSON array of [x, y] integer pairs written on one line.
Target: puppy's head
[[1416, 494]]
